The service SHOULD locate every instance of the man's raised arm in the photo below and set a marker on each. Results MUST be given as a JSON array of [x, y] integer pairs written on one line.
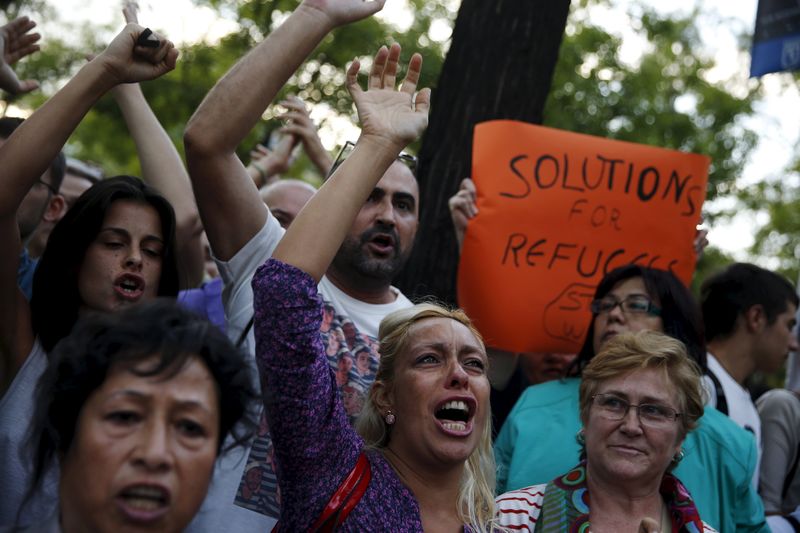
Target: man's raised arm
[[231, 210]]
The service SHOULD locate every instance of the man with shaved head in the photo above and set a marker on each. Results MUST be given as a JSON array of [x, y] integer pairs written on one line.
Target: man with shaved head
[[285, 198]]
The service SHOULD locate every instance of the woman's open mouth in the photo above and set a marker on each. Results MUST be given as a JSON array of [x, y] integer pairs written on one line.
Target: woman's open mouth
[[129, 287], [455, 416], [143, 503]]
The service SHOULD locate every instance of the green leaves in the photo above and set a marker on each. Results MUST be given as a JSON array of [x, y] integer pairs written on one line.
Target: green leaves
[[663, 99]]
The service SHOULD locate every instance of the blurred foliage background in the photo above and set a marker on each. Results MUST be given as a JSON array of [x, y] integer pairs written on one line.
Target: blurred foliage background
[[663, 98]]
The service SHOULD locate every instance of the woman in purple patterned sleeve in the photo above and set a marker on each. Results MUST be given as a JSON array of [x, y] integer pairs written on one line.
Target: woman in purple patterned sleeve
[[425, 428]]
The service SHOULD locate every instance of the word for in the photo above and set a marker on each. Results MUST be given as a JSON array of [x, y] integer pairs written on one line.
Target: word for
[[597, 216]]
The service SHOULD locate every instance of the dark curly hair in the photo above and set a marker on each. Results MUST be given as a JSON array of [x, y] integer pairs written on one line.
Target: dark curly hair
[[159, 328]]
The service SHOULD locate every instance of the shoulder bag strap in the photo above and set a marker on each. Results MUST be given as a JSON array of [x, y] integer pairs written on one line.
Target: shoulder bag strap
[[245, 331], [345, 498], [722, 403]]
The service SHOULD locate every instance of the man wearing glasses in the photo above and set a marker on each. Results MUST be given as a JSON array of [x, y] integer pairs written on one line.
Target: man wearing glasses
[[42, 203]]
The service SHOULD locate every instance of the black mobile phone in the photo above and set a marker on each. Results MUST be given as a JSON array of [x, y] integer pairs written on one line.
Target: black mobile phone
[[145, 40]]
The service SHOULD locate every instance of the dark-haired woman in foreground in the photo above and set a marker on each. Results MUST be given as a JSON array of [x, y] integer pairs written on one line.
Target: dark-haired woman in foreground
[[134, 407]]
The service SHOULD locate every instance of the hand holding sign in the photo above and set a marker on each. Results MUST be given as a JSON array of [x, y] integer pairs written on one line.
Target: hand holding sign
[[462, 208], [559, 210]]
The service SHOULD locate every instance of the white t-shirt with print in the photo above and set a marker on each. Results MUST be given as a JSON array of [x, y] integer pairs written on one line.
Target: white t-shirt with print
[[219, 513]]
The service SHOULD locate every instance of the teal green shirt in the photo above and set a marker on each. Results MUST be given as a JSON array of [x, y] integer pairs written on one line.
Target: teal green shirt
[[537, 443]]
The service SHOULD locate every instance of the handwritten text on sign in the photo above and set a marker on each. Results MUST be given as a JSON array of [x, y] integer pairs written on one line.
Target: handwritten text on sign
[[557, 211]]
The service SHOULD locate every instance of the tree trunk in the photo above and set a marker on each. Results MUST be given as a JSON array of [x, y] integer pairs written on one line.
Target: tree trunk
[[499, 66]]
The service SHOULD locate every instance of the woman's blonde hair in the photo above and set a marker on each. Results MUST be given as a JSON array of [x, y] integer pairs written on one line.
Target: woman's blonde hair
[[629, 352], [476, 494]]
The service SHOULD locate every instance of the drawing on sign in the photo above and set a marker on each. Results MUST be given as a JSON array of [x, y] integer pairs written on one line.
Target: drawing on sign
[[574, 300]]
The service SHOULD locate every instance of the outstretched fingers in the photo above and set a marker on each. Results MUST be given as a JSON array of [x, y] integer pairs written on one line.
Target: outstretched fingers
[[378, 67], [422, 102], [352, 78], [412, 76], [385, 112], [20, 43], [21, 24], [130, 10], [24, 49], [390, 71]]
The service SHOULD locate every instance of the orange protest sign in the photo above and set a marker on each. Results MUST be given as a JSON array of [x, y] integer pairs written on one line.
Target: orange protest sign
[[556, 211]]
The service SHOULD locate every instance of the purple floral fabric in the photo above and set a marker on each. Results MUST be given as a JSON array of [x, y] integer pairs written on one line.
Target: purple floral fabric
[[314, 445], [353, 357]]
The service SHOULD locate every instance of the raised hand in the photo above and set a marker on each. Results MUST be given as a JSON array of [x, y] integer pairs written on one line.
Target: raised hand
[[19, 43], [340, 12], [266, 164], [130, 10], [15, 43], [462, 208], [300, 125], [128, 62], [385, 113]]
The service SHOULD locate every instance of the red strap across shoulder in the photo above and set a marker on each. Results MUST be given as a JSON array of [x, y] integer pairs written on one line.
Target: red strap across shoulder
[[358, 492], [346, 497]]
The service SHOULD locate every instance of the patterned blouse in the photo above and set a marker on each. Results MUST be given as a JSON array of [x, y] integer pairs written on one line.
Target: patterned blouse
[[563, 505], [315, 446]]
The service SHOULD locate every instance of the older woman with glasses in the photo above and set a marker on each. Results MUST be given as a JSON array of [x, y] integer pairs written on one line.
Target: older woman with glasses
[[537, 441], [638, 400]]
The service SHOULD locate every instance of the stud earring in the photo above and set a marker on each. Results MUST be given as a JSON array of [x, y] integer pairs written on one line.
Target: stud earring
[[678, 457], [580, 437], [389, 418]]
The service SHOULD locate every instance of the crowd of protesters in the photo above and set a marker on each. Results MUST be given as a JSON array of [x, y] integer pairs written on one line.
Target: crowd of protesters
[[212, 347]]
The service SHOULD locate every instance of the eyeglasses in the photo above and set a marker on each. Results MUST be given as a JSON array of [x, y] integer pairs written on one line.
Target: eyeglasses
[[407, 159], [635, 304], [47, 186], [654, 415]]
